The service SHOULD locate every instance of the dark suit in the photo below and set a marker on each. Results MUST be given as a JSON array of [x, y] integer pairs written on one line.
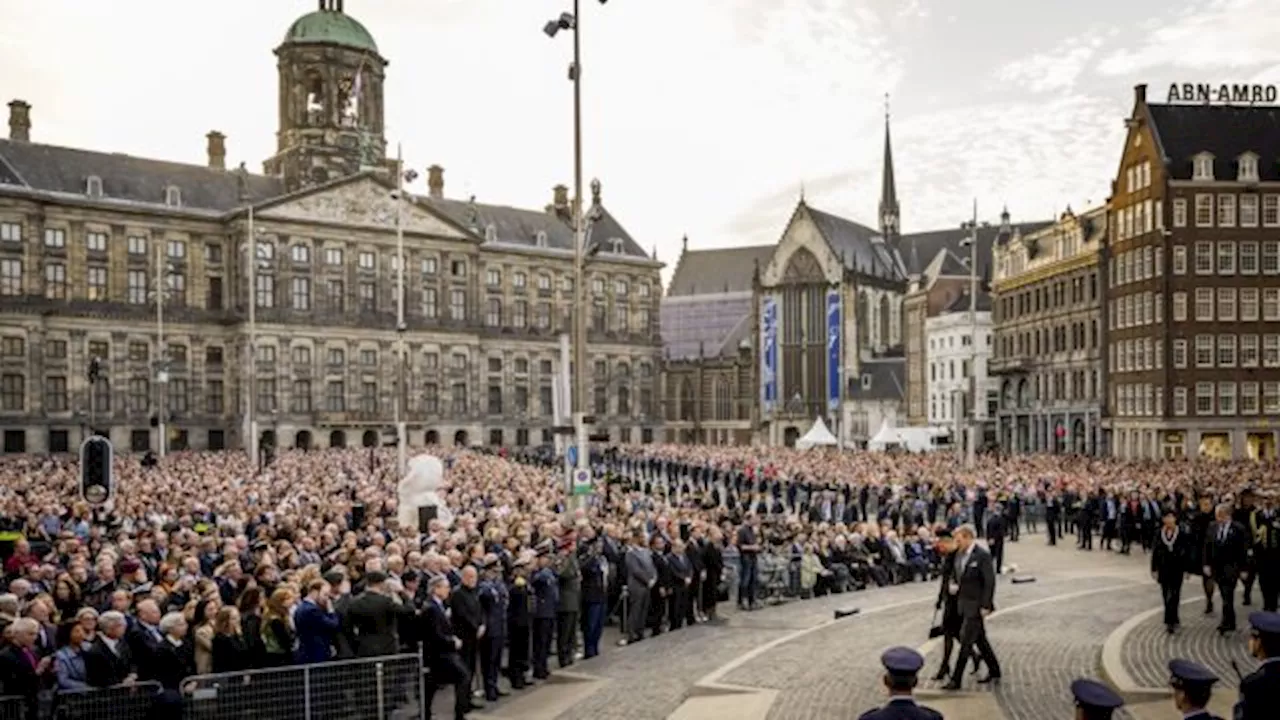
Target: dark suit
[[105, 668], [996, 527], [1169, 564], [1260, 693], [18, 677], [371, 621], [466, 618], [976, 593], [900, 708], [440, 651], [1226, 551]]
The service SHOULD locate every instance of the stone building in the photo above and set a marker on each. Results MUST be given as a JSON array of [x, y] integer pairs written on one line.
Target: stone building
[[959, 351], [1192, 272], [1048, 337], [88, 238]]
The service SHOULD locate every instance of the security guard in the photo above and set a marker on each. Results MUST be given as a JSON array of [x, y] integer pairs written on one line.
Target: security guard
[[1260, 690], [1192, 685], [1094, 701], [901, 665]]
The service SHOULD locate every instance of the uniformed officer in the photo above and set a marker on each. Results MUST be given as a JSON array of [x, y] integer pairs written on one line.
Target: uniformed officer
[[1192, 685], [1094, 701], [901, 665], [494, 603], [1260, 690]]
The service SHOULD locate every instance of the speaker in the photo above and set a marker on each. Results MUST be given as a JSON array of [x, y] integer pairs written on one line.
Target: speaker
[[427, 513], [357, 516]]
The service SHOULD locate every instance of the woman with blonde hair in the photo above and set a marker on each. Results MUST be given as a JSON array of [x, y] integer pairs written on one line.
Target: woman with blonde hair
[[202, 634], [277, 628], [230, 651]]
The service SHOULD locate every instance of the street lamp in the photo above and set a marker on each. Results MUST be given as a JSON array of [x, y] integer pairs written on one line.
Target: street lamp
[[166, 272], [573, 21], [971, 241], [402, 176], [257, 256]]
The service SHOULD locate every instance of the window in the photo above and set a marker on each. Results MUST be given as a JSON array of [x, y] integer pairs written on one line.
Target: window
[[335, 295], [519, 281], [1271, 351], [1271, 210], [1179, 260], [137, 245], [458, 269], [1179, 353], [267, 354], [1248, 210], [1270, 257], [55, 394], [300, 254], [1248, 398], [495, 399], [55, 281], [139, 352], [1204, 210], [620, 287], [1204, 398], [264, 291], [460, 361], [459, 392], [542, 317], [1249, 304], [333, 256], [266, 395], [431, 361], [1179, 401], [1204, 351], [97, 282], [337, 357], [95, 242], [13, 392], [544, 400], [1226, 210], [493, 277], [213, 397], [1226, 257], [368, 297], [1248, 258], [1226, 398], [212, 253], [1227, 304], [458, 305], [597, 286], [431, 398], [1204, 258], [335, 395], [1226, 351], [300, 399], [1179, 212], [369, 357], [139, 395], [301, 292], [520, 314], [1179, 306], [544, 282], [1203, 168], [1271, 304], [1248, 168], [10, 277], [1248, 351], [55, 238], [366, 260], [621, 318], [176, 249], [430, 266], [177, 292], [493, 312], [10, 232], [1271, 398], [173, 196], [1204, 304], [430, 303]]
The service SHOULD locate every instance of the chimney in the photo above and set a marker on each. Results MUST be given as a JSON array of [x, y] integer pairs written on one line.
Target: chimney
[[435, 181], [560, 198], [1140, 93], [217, 150], [20, 121]]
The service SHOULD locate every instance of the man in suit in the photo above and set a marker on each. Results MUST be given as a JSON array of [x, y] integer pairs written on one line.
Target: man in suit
[[1226, 550], [467, 618], [144, 639], [440, 651], [373, 618], [641, 575], [1192, 685], [108, 660], [1260, 690], [997, 526], [901, 667], [1168, 565], [317, 625], [974, 585]]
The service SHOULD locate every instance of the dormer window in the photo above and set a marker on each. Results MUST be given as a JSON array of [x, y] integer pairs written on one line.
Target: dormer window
[[541, 238], [93, 186], [173, 196], [491, 233], [1203, 167], [866, 381], [1248, 168], [615, 246]]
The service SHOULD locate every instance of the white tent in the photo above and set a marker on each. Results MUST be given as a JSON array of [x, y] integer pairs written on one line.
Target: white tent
[[884, 438], [915, 439], [818, 436]]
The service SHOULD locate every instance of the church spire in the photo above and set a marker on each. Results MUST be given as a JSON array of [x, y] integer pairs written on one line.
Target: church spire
[[889, 211]]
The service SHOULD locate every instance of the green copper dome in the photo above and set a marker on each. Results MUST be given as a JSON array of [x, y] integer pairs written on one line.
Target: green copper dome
[[330, 26]]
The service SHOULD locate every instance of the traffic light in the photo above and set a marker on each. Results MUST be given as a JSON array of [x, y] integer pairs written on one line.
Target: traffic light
[[96, 482]]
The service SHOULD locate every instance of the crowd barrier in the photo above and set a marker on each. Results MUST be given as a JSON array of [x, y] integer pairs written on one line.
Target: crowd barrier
[[122, 702], [13, 708], [381, 688]]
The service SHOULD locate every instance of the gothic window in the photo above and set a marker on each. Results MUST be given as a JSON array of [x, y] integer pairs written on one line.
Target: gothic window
[[864, 321], [884, 320], [723, 400], [803, 267], [687, 401]]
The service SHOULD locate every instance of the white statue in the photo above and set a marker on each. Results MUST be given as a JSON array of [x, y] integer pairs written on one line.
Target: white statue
[[418, 489]]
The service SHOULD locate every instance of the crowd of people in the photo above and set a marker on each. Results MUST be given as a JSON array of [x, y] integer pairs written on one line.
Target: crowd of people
[[205, 564]]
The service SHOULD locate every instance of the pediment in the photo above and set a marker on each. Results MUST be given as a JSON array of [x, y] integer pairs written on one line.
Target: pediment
[[364, 203], [817, 264]]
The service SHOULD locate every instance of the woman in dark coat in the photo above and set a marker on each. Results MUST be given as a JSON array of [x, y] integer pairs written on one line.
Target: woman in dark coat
[[713, 566], [947, 603], [230, 650]]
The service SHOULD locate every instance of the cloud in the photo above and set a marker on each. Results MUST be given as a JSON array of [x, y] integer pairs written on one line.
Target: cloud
[[1212, 34], [1053, 71]]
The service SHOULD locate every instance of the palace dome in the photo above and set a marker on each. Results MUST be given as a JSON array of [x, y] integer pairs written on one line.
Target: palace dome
[[330, 26]]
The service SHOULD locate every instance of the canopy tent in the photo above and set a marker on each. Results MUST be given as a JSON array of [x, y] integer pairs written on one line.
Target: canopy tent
[[915, 439], [818, 436], [884, 438]]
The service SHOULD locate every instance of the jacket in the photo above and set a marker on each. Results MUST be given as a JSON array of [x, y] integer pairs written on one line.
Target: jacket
[[977, 580], [372, 621], [316, 629]]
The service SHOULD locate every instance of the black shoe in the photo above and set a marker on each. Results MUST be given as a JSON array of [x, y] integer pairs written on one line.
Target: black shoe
[[1208, 609], [988, 679], [953, 685], [943, 672]]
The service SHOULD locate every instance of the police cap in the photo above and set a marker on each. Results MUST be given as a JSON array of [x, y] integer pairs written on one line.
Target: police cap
[[1185, 674], [1265, 623], [1094, 695], [902, 661]]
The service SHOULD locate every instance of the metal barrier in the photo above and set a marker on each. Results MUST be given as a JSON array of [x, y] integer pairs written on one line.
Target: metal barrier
[[380, 688], [121, 702], [13, 707]]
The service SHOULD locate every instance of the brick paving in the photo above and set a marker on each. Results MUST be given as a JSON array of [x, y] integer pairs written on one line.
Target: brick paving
[[1149, 648]]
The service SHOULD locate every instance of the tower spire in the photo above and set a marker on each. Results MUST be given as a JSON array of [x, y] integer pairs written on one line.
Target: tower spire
[[889, 211]]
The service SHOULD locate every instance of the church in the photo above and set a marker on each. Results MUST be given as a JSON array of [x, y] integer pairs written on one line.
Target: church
[[125, 289]]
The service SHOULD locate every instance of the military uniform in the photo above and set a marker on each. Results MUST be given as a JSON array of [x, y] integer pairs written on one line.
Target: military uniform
[[1193, 681], [1094, 701], [901, 666], [1260, 689], [495, 601], [1264, 526]]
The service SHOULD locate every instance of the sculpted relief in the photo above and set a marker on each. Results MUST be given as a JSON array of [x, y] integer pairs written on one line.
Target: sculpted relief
[[362, 203]]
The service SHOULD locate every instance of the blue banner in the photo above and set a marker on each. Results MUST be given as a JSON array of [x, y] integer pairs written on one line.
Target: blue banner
[[769, 354], [833, 350]]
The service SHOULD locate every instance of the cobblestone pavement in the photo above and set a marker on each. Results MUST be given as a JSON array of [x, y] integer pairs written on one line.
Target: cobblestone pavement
[[1078, 599], [1148, 648]]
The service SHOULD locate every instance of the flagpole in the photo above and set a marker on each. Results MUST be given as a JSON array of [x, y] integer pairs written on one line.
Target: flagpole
[[401, 430]]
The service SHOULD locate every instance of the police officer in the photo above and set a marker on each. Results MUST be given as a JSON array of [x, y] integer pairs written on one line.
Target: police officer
[[519, 621], [1192, 685], [1094, 701], [901, 666], [546, 603], [1265, 527], [1260, 690], [494, 603]]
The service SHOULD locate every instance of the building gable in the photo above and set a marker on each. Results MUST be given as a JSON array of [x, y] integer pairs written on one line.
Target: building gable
[[360, 201], [802, 232]]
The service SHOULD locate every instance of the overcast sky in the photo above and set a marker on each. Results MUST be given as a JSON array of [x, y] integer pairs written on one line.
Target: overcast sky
[[702, 117]]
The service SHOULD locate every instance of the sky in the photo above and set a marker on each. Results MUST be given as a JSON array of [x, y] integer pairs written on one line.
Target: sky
[[703, 118]]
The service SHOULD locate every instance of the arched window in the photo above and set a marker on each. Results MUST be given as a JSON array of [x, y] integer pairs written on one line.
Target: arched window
[[862, 308], [687, 401], [723, 399], [315, 99], [624, 400], [885, 321]]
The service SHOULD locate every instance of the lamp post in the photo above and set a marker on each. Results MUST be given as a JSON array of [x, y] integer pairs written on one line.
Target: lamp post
[[402, 176], [573, 21], [163, 286], [972, 416], [256, 255]]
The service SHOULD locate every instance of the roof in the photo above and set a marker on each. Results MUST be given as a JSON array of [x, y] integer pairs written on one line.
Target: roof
[[858, 246], [518, 226], [928, 244], [1226, 131], [50, 168], [710, 324], [881, 379], [961, 303], [718, 270], [330, 26]]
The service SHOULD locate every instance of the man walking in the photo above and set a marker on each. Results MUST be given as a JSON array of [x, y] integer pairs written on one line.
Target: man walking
[[974, 585], [1168, 565], [1226, 551]]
